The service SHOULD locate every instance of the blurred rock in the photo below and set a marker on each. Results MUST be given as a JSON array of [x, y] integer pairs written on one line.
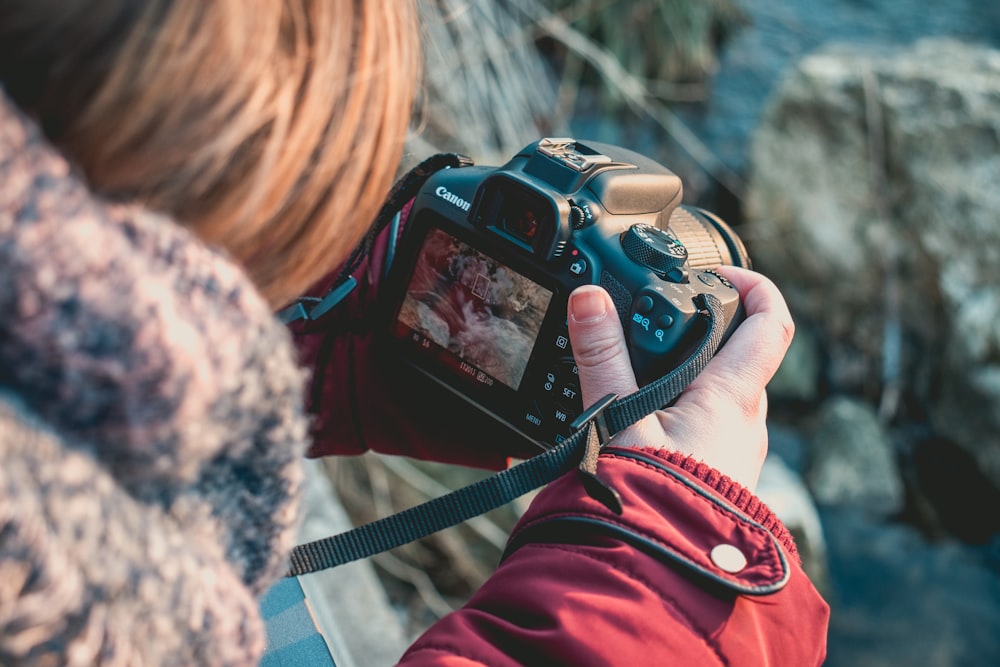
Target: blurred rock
[[788, 444], [946, 484], [851, 460], [783, 490], [798, 376], [874, 203], [898, 600]]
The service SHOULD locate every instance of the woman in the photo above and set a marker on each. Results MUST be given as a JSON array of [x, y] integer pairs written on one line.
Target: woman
[[170, 172]]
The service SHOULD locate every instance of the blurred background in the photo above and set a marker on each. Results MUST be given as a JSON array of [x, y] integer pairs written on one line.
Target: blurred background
[[855, 147]]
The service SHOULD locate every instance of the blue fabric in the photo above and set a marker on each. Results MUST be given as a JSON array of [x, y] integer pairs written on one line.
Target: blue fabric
[[292, 635]]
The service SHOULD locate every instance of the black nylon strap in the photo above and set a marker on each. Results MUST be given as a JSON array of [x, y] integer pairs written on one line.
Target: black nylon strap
[[437, 514], [493, 492], [405, 189], [402, 191]]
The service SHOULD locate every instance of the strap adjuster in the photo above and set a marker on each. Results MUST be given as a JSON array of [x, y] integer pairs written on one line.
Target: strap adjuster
[[597, 436], [595, 413]]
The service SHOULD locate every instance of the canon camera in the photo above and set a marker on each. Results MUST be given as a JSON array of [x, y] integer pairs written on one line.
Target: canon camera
[[476, 298]]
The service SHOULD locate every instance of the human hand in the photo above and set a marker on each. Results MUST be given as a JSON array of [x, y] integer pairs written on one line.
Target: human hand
[[720, 417]]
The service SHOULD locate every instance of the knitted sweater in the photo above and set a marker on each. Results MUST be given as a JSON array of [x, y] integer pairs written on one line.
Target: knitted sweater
[[150, 430]]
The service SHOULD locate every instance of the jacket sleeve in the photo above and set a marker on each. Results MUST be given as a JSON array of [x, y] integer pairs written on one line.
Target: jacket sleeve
[[360, 400], [695, 571]]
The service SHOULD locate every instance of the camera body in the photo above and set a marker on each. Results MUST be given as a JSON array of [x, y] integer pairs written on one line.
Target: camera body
[[476, 298]]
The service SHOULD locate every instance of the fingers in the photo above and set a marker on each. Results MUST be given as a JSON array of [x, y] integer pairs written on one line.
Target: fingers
[[720, 418], [740, 370], [748, 361], [599, 345]]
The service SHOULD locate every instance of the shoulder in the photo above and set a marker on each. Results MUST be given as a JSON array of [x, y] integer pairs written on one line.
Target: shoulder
[[151, 350]]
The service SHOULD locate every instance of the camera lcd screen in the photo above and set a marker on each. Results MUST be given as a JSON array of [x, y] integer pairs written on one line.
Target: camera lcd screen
[[482, 312]]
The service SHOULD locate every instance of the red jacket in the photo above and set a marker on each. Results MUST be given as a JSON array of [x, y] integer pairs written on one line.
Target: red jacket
[[695, 571]]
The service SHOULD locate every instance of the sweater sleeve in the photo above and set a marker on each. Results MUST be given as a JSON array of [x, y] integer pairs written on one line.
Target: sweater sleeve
[[695, 571], [151, 430], [90, 576], [128, 336]]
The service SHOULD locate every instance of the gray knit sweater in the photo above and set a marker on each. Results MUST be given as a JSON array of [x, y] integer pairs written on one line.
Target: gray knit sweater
[[150, 430]]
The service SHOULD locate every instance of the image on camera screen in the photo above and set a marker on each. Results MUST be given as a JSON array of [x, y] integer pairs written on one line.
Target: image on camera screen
[[478, 309]]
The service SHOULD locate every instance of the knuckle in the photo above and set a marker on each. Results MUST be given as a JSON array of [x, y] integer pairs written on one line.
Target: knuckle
[[747, 406], [598, 351], [787, 329], [745, 394]]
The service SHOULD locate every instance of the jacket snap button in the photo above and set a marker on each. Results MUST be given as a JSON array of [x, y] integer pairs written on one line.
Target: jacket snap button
[[728, 558]]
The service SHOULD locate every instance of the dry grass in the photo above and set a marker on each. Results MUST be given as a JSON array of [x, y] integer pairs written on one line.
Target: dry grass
[[429, 578], [501, 73]]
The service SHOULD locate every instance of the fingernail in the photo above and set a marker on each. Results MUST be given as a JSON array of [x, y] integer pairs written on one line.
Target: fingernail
[[587, 304]]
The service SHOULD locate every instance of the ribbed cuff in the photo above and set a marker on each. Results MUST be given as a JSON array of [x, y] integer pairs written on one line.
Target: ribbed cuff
[[736, 494]]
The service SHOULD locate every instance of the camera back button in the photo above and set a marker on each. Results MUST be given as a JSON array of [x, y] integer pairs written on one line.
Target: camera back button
[[533, 417], [578, 266], [644, 304]]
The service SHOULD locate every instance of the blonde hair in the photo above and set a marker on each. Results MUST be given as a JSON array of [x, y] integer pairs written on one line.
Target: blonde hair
[[272, 128]]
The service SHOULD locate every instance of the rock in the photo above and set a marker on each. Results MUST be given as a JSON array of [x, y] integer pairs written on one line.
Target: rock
[[783, 490], [948, 493], [788, 444], [852, 462], [798, 376], [874, 204], [897, 599]]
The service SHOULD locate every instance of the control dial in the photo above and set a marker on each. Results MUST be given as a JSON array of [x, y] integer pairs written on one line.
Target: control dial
[[656, 250]]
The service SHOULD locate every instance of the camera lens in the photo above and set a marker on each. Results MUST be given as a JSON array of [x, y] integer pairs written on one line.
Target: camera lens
[[710, 242]]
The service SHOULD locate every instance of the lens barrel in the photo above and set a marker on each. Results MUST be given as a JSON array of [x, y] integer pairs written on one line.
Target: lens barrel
[[710, 242]]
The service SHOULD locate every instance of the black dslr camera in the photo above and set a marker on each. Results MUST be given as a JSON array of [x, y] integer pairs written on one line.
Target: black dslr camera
[[476, 297]]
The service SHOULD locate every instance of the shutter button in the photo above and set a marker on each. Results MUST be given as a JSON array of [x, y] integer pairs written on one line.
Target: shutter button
[[728, 558]]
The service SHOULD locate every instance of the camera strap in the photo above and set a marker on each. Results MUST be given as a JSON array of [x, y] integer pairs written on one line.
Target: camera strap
[[591, 430], [405, 189]]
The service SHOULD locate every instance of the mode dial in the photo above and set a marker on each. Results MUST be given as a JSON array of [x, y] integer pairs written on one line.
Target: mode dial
[[656, 250]]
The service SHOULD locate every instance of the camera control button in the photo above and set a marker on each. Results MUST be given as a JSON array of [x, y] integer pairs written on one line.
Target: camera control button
[[569, 392], [578, 266], [675, 275], [665, 321], [721, 278], [710, 279], [533, 415], [562, 414], [644, 304]]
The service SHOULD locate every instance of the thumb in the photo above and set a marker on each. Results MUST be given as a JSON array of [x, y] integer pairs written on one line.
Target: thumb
[[599, 345]]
